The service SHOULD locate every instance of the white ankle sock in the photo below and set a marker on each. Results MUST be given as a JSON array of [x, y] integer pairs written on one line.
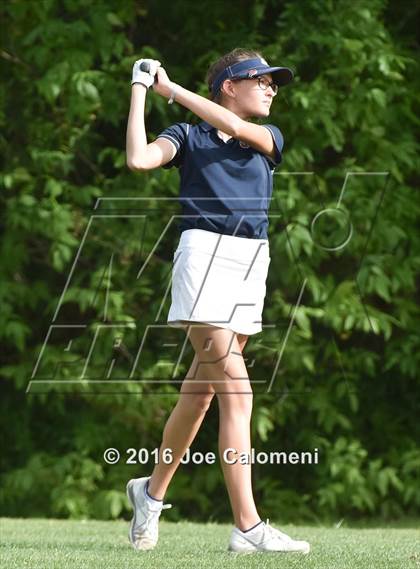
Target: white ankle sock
[[152, 501], [253, 529]]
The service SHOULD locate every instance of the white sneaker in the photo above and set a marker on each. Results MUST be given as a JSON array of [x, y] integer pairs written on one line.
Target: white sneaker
[[144, 530], [265, 538]]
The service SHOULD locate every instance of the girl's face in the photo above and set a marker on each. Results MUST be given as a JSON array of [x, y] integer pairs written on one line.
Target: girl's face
[[247, 99]]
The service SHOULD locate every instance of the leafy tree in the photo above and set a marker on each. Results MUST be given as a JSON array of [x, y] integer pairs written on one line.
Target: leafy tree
[[347, 382]]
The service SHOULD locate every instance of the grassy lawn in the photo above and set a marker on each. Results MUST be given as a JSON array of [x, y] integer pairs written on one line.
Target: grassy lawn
[[40, 543]]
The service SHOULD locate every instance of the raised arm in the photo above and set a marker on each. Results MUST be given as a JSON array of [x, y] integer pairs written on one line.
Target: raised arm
[[140, 155], [218, 116]]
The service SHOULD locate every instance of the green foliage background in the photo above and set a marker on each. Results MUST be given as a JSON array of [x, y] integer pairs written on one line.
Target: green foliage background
[[347, 383]]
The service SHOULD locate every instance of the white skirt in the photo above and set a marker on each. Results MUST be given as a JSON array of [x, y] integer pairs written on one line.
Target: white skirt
[[219, 280]]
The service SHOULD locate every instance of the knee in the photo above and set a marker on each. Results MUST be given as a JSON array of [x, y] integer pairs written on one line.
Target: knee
[[199, 403], [236, 403]]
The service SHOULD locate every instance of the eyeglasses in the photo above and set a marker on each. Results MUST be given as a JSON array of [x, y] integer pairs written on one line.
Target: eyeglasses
[[264, 84]]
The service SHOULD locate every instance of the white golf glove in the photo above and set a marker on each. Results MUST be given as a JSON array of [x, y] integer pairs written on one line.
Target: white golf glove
[[144, 71]]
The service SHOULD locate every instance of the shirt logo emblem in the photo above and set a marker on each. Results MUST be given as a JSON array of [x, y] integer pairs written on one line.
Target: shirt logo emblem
[[243, 144]]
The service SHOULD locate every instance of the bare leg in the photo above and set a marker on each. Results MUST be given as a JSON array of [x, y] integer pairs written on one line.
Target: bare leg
[[181, 429], [222, 363], [183, 425]]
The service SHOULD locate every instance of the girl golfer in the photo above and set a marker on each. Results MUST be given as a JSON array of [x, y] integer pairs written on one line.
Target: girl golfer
[[220, 266]]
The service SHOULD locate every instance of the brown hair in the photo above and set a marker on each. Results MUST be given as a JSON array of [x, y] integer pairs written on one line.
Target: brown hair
[[238, 54]]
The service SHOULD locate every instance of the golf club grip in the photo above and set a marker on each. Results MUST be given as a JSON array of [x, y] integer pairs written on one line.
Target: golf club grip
[[145, 66]]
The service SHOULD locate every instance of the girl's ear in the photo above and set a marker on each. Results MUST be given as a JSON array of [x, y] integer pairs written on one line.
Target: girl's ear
[[227, 87]]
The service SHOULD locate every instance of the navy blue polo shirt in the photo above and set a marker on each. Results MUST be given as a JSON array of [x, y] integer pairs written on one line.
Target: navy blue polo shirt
[[226, 187]]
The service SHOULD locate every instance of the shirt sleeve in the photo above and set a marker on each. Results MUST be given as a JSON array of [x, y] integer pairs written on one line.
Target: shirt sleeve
[[278, 144], [177, 134]]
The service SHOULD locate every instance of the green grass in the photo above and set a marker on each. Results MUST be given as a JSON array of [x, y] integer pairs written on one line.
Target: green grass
[[41, 543]]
